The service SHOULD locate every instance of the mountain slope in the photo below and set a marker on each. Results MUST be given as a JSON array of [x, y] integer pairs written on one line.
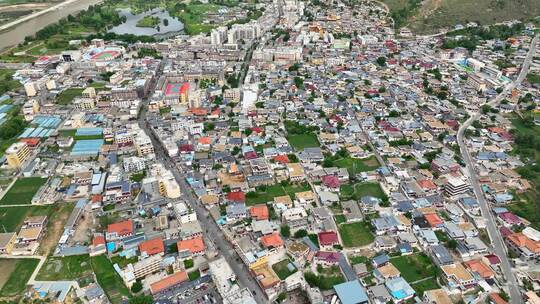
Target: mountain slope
[[429, 16]]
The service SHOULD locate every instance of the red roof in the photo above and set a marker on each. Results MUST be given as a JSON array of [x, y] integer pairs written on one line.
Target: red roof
[[185, 88], [31, 142], [282, 159], [328, 238], [427, 184], [259, 212], [328, 256], [186, 148], [250, 155], [121, 228], [272, 240], [433, 219], [493, 259], [97, 198], [194, 246], [257, 129], [153, 246], [331, 181], [236, 196], [169, 281], [98, 240]]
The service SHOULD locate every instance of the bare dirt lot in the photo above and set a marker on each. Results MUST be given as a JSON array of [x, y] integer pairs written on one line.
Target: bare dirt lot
[[7, 267]]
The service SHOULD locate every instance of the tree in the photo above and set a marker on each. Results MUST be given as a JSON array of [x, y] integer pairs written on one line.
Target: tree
[[299, 82], [281, 297], [300, 233], [381, 61], [285, 231], [452, 244], [136, 287]]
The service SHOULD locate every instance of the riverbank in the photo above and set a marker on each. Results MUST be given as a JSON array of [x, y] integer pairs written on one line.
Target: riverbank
[[13, 33]]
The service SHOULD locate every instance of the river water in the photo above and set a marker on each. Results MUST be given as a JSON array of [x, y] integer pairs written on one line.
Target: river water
[[16, 34], [130, 26]]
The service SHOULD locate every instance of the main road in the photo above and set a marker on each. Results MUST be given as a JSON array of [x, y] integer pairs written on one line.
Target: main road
[[210, 228], [496, 239]]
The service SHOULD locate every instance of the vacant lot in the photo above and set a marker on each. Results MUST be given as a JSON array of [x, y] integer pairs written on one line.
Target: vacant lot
[[281, 269], [55, 227], [65, 268], [23, 191], [416, 267], [301, 141], [108, 279], [7, 266], [18, 277], [357, 165], [359, 190], [355, 234], [267, 193], [67, 96]]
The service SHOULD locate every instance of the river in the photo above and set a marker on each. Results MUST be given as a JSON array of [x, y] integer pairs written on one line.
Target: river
[[16, 34], [173, 27]]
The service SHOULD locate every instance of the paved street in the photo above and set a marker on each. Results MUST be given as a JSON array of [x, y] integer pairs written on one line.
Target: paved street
[[210, 228], [498, 244]]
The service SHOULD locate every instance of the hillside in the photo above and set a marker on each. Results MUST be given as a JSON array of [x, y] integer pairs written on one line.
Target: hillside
[[429, 16]]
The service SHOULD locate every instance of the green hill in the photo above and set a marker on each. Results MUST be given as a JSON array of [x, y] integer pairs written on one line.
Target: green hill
[[430, 16]]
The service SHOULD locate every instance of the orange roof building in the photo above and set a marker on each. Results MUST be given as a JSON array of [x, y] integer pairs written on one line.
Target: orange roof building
[[205, 140], [259, 212], [153, 246], [496, 298], [481, 268], [120, 230], [168, 282], [98, 240], [195, 246], [521, 241], [272, 240], [433, 219]]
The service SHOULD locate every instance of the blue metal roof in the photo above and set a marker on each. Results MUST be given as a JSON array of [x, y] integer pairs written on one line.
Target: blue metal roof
[[351, 292]]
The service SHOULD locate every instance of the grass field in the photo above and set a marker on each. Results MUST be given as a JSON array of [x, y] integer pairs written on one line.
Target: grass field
[[262, 197], [281, 269], [355, 234], [11, 217], [194, 16], [526, 134], [7, 266], [357, 165], [67, 96], [359, 190], [149, 21], [533, 78], [108, 279], [6, 82], [416, 267], [301, 141], [65, 268], [22, 192], [433, 15], [21, 270]]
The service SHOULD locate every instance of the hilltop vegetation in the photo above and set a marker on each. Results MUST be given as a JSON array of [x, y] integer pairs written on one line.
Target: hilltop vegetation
[[429, 16]]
